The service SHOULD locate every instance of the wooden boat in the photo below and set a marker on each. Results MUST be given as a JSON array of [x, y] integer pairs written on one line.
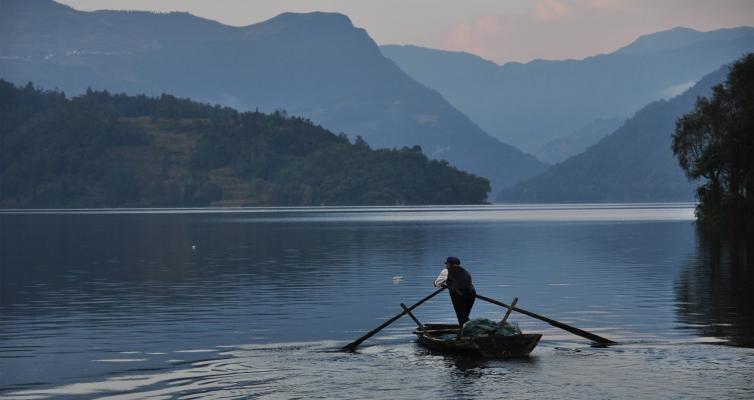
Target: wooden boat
[[499, 340], [434, 337]]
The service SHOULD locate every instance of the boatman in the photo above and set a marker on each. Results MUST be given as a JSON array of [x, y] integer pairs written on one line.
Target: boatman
[[458, 282]]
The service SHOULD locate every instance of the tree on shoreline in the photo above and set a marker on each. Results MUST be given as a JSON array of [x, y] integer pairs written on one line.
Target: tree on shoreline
[[714, 143]]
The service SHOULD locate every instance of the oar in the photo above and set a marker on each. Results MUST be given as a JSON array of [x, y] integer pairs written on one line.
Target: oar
[[410, 314], [510, 310], [572, 329], [353, 345]]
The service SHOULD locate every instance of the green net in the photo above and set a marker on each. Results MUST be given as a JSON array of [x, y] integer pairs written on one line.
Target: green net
[[486, 327]]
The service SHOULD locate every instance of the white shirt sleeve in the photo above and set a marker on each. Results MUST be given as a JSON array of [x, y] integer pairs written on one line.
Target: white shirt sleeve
[[440, 280]]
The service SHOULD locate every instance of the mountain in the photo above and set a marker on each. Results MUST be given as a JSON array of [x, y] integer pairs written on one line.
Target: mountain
[[681, 37], [103, 150], [529, 105], [316, 65], [575, 142], [633, 164]]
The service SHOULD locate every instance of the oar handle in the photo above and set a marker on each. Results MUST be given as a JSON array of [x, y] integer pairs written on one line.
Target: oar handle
[[353, 345], [572, 329]]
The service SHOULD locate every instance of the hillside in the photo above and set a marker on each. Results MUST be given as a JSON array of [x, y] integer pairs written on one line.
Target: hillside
[[576, 142], [317, 66], [529, 105], [633, 164], [104, 150]]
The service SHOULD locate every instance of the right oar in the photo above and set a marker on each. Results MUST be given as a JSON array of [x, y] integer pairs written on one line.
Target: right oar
[[353, 345], [572, 329]]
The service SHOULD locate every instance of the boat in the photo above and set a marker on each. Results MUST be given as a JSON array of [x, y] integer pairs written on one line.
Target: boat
[[446, 338], [481, 336]]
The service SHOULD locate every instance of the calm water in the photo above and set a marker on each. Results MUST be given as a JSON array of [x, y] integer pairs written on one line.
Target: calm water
[[256, 302]]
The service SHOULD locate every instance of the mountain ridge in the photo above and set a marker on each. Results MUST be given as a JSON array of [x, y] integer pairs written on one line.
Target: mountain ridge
[[315, 65], [530, 104], [633, 164], [680, 37]]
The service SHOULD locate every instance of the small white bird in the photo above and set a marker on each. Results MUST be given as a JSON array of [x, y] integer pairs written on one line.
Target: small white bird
[[397, 279], [193, 247]]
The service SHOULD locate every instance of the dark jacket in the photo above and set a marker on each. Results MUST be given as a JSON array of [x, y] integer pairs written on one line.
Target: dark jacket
[[459, 280]]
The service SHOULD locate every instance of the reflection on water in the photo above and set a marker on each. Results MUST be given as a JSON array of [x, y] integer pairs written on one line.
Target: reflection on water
[[714, 291], [252, 302]]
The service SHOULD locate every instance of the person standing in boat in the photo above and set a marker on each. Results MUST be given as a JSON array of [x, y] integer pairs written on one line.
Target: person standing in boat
[[458, 282]]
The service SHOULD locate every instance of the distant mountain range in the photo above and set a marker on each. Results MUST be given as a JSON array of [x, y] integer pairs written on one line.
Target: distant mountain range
[[633, 164], [316, 65], [576, 142], [531, 105]]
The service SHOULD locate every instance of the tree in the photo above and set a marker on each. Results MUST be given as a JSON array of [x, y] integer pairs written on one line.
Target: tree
[[714, 143]]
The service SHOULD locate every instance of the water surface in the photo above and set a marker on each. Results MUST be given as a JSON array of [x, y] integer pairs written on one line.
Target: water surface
[[234, 303]]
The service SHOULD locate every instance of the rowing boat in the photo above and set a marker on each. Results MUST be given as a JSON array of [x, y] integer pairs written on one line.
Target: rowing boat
[[446, 338]]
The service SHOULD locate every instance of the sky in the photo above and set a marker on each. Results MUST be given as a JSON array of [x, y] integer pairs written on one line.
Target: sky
[[498, 30]]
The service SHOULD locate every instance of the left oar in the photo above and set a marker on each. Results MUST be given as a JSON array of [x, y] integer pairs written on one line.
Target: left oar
[[353, 345]]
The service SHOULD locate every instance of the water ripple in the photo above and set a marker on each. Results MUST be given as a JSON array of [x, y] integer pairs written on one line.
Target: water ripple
[[405, 370]]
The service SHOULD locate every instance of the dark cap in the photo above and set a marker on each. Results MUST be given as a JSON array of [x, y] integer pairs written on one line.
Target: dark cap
[[453, 260]]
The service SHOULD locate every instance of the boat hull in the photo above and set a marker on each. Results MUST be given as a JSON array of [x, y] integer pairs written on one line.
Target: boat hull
[[496, 346]]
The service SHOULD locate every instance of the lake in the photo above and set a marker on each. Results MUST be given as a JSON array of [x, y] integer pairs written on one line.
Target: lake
[[255, 303]]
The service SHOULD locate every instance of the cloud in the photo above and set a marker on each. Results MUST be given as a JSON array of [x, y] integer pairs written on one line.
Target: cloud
[[479, 36], [676, 90], [555, 29], [604, 3], [551, 10], [499, 36]]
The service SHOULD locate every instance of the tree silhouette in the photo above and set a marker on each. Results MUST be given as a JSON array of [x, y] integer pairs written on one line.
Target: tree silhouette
[[714, 143]]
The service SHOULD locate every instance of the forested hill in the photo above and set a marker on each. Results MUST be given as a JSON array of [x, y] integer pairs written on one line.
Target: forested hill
[[105, 150]]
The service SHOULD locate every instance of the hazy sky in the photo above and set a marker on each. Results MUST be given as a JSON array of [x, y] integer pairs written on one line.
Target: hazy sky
[[499, 30]]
